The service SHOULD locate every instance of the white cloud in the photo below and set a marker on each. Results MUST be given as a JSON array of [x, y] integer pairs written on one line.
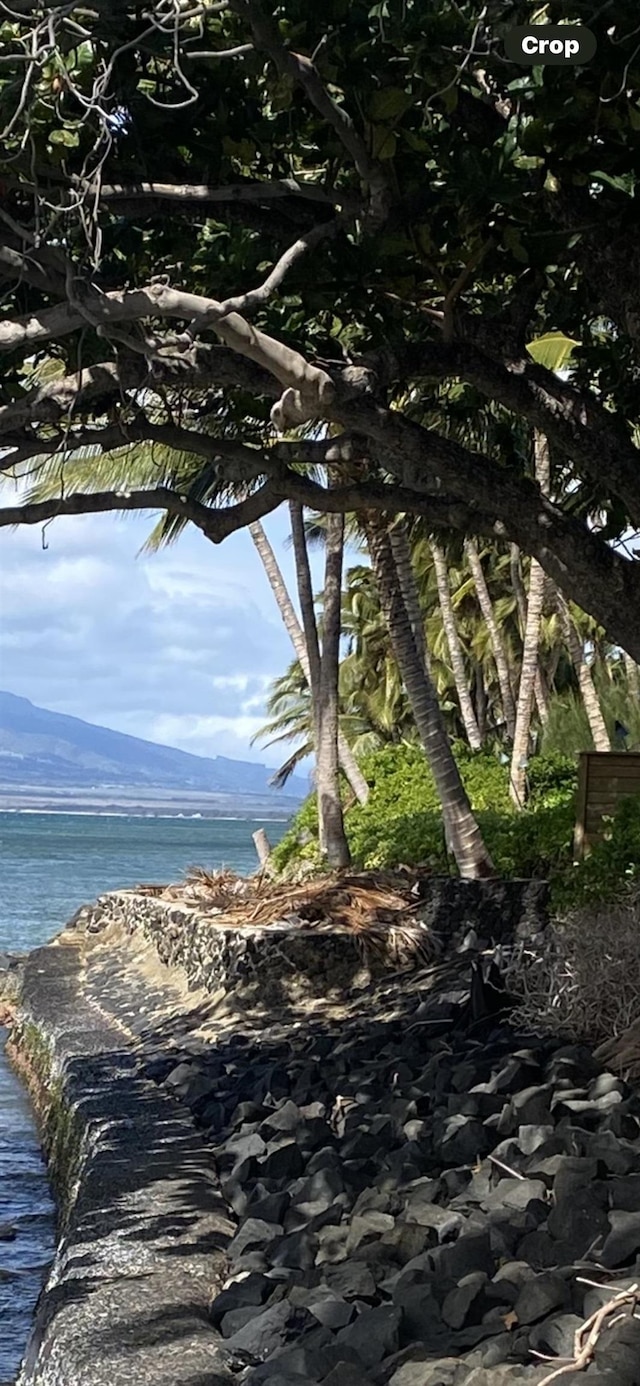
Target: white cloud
[[180, 646]]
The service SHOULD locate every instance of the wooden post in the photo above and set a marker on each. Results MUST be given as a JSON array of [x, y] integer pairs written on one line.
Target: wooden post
[[262, 845], [579, 843]]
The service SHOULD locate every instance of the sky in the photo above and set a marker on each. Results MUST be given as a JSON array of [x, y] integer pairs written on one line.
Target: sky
[[177, 647]]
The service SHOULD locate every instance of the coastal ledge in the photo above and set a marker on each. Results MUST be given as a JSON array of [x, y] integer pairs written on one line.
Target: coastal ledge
[[142, 1222], [288, 962], [144, 1227]]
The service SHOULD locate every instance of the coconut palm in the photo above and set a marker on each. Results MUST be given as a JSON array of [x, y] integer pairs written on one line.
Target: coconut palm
[[463, 833], [454, 645], [535, 602], [304, 641], [497, 644]]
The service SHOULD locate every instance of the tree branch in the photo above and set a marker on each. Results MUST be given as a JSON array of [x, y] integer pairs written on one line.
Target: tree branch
[[254, 298], [302, 70], [312, 386], [188, 195], [582, 564], [216, 525], [104, 386], [572, 419]]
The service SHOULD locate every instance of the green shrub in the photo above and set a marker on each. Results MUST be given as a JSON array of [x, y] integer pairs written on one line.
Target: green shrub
[[553, 779], [535, 842], [612, 864], [300, 838], [402, 824]]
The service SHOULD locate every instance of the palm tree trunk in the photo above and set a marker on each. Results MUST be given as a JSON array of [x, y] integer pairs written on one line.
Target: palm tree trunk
[[520, 752], [346, 757], [575, 646], [632, 671], [481, 700], [332, 834], [499, 653], [295, 632], [470, 853], [401, 550], [305, 593], [456, 655], [540, 689]]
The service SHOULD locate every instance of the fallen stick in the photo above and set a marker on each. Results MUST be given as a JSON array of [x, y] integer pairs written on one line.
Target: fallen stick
[[584, 1348]]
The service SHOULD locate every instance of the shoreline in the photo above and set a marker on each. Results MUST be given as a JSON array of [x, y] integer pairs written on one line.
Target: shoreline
[[325, 1171]]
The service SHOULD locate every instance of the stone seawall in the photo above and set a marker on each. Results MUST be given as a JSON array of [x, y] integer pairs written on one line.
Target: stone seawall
[[277, 1161], [285, 963], [142, 1221]]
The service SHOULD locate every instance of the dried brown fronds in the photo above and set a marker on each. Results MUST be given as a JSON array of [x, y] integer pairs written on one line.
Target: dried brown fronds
[[380, 908]]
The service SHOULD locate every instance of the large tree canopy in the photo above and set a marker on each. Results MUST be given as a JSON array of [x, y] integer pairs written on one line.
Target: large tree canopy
[[274, 237]]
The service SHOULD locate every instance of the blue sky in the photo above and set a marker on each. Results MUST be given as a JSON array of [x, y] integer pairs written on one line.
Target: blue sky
[[178, 647]]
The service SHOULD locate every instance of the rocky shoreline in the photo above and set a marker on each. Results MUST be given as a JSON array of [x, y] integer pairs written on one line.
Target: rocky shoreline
[[321, 1173]]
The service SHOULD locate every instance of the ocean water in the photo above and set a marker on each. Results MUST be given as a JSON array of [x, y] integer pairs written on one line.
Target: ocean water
[[49, 865]]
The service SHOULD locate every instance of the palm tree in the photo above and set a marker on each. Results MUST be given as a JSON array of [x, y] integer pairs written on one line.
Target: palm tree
[[575, 646], [305, 642], [333, 840], [497, 645], [462, 829], [456, 656], [290, 721], [374, 700], [535, 603], [540, 687]]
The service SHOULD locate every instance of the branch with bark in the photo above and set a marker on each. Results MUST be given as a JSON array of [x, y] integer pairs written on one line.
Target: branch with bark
[[573, 419], [304, 73]]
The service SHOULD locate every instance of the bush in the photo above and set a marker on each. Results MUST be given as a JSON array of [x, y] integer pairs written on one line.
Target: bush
[[533, 843], [402, 825], [583, 979], [553, 779], [611, 864]]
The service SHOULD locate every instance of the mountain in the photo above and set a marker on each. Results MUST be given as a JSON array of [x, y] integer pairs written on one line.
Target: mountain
[[46, 753]]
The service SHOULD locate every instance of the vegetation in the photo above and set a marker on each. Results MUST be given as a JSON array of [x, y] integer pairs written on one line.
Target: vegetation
[[349, 258], [401, 824]]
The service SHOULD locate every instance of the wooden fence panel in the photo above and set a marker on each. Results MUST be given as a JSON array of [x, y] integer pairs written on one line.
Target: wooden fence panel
[[604, 778]]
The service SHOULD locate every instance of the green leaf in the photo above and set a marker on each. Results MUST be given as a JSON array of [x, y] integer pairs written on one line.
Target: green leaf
[[389, 103], [553, 350], [384, 142], [84, 55], [512, 238], [70, 138], [625, 184]]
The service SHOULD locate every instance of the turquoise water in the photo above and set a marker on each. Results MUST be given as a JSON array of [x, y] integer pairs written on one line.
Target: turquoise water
[[49, 865]]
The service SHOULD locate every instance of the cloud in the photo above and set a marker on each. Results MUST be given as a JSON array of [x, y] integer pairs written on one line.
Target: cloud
[[178, 647]]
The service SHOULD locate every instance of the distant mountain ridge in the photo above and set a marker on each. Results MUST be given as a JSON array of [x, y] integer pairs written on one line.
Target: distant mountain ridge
[[41, 749]]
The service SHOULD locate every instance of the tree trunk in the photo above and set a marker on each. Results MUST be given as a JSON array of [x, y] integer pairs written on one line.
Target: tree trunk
[[401, 550], [537, 581], [499, 653], [632, 671], [456, 655], [540, 689], [330, 816], [575, 646], [470, 853], [294, 630], [481, 700], [262, 846], [346, 757]]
